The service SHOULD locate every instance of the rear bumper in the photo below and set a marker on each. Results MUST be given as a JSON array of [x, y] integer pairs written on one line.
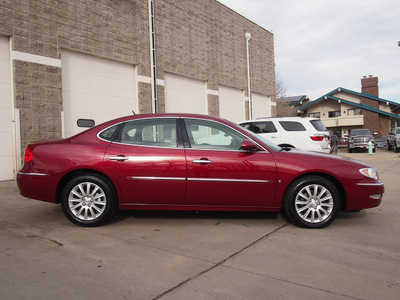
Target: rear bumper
[[39, 186]]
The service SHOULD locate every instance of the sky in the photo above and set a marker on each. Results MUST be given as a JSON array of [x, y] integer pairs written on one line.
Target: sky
[[321, 45]]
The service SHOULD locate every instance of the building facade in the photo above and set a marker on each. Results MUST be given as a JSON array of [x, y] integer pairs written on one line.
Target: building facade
[[69, 63], [342, 110]]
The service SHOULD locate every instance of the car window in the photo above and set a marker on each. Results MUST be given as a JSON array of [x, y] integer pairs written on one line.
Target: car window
[[318, 125], [398, 131], [108, 133], [292, 126], [260, 127], [151, 132], [360, 132], [212, 135]]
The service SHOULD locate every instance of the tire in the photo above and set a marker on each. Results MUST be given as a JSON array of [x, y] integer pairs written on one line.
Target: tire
[[88, 200], [312, 202], [350, 150], [396, 150]]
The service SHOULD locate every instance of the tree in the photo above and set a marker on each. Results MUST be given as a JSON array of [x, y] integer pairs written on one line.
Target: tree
[[280, 87]]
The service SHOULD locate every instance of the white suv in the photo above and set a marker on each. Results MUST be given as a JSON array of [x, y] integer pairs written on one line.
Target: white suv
[[294, 132]]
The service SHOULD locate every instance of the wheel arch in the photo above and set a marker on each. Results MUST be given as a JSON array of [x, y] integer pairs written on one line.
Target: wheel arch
[[333, 179], [67, 177]]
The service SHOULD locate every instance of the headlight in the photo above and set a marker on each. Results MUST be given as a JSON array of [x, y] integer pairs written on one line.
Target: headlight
[[370, 173]]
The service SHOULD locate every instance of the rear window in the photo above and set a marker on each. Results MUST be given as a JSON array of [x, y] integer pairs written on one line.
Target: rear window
[[292, 126], [260, 127], [318, 125]]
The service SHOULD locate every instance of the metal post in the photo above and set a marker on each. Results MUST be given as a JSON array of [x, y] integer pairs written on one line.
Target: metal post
[[248, 37]]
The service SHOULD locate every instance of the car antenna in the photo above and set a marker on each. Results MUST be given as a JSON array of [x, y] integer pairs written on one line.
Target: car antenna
[[133, 112]]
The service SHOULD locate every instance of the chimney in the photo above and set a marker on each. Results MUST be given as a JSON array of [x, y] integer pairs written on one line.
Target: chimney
[[369, 85]]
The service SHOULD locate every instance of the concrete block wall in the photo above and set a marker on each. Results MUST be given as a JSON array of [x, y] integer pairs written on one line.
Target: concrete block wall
[[199, 39]]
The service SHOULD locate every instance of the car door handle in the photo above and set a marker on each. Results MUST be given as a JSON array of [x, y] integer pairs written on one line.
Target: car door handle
[[203, 161], [118, 158]]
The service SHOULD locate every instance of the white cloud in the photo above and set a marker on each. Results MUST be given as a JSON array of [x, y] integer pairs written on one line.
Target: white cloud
[[321, 45]]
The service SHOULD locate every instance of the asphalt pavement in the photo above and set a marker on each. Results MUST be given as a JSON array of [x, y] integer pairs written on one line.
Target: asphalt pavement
[[206, 255]]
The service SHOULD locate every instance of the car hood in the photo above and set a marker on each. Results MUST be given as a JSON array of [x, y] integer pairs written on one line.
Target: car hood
[[317, 160]]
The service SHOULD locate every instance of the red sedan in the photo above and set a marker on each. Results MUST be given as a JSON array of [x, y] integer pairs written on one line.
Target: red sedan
[[191, 162]]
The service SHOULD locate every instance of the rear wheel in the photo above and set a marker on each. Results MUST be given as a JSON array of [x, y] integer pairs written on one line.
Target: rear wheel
[[395, 149], [350, 150], [88, 200], [312, 202]]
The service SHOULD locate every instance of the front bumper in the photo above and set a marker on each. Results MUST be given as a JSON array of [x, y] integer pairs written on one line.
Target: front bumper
[[365, 195]]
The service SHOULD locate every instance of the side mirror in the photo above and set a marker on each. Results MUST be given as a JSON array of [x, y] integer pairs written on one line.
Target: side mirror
[[249, 145]]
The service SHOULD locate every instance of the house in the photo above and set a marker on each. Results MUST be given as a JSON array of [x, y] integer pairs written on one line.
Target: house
[[342, 110]]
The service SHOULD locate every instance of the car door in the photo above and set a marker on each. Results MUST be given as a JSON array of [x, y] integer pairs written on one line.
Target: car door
[[220, 174], [148, 163]]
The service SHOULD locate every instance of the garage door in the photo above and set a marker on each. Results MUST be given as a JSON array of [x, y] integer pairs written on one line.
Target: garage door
[[6, 149], [231, 105], [95, 89], [184, 95], [261, 106]]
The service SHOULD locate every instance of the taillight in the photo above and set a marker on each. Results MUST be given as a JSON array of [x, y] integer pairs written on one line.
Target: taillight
[[317, 138], [28, 155]]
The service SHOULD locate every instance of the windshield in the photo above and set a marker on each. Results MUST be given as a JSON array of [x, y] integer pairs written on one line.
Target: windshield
[[398, 131], [360, 132], [272, 146]]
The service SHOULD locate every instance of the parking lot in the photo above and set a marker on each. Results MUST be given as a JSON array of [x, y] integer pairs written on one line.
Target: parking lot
[[206, 255]]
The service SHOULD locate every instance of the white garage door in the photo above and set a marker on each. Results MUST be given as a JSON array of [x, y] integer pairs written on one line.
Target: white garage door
[[6, 148], [231, 104], [184, 95], [95, 89], [261, 106]]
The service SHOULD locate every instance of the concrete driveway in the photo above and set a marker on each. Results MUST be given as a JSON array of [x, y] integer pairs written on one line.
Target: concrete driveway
[[185, 255]]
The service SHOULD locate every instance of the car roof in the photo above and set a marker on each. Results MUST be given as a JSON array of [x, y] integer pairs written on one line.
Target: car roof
[[280, 119]]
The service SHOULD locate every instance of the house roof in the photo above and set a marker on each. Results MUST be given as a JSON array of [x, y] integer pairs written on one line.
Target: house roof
[[299, 99], [363, 106]]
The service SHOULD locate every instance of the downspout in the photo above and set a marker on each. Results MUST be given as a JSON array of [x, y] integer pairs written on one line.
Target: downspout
[[249, 91], [152, 30], [14, 116]]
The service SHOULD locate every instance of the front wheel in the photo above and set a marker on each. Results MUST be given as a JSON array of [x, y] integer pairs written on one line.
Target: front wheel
[[312, 202], [88, 200]]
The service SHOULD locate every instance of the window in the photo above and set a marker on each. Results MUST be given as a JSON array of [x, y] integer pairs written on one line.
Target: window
[[212, 135], [154, 132], [260, 127], [315, 115], [292, 126], [318, 125], [108, 133], [354, 112], [334, 114]]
